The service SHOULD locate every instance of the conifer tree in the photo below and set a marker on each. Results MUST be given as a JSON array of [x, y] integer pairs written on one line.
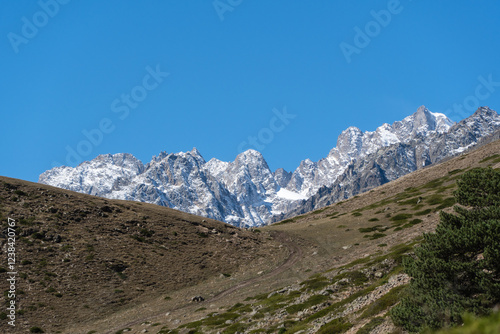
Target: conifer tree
[[457, 268]]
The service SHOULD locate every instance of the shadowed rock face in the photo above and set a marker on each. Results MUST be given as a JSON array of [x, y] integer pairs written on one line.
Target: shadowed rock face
[[392, 162], [247, 192]]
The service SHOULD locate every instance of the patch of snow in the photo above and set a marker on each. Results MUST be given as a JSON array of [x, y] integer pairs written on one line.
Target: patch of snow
[[460, 149], [290, 195], [245, 191]]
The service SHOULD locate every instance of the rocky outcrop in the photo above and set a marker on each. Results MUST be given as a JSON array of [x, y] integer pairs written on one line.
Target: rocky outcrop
[[392, 162], [245, 192]]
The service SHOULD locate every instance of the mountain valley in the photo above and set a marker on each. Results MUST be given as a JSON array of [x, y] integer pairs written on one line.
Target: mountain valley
[[124, 266]]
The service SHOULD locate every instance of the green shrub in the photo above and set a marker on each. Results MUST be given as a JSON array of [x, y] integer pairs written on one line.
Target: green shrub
[[286, 221], [412, 201], [236, 328], [401, 216], [28, 221], [366, 329], [423, 212], [472, 324], [355, 277], [378, 228], [434, 199], [138, 238], [319, 211], [415, 221], [38, 235], [434, 184], [313, 300], [455, 171], [375, 236], [214, 320], [384, 302], [455, 270], [315, 282], [147, 233], [448, 202], [339, 325], [332, 214], [490, 158]]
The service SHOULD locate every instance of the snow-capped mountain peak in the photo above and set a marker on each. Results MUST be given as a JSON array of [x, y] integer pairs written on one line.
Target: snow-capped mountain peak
[[216, 167], [250, 157], [422, 122], [485, 113]]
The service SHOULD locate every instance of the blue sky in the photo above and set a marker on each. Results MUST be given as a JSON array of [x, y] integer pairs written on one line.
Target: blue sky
[[151, 76]]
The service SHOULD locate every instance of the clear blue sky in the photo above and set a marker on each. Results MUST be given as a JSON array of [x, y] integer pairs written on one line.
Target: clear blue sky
[[75, 69]]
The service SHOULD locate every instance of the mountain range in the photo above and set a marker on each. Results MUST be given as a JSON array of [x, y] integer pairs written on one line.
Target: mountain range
[[245, 192], [128, 266]]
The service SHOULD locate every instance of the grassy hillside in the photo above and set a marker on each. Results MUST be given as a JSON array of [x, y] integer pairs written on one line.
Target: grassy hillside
[[472, 325], [355, 265], [133, 267], [96, 257]]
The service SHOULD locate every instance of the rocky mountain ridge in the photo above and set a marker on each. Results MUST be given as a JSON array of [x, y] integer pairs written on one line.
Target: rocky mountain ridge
[[245, 192]]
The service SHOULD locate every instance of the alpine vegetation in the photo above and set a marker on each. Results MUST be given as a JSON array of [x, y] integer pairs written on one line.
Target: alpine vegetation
[[456, 269]]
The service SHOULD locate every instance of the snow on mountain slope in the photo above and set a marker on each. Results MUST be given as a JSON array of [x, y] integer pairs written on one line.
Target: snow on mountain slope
[[354, 144], [245, 192], [287, 194], [394, 161], [100, 176]]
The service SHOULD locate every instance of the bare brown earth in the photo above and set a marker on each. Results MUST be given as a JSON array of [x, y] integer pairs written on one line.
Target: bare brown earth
[[330, 237], [131, 266], [81, 258], [295, 253]]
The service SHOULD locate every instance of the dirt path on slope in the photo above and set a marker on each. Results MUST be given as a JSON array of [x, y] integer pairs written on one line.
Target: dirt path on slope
[[284, 238], [295, 254]]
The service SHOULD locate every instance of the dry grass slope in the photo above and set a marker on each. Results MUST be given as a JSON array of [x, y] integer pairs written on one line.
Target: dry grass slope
[[121, 265], [354, 267], [95, 256]]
